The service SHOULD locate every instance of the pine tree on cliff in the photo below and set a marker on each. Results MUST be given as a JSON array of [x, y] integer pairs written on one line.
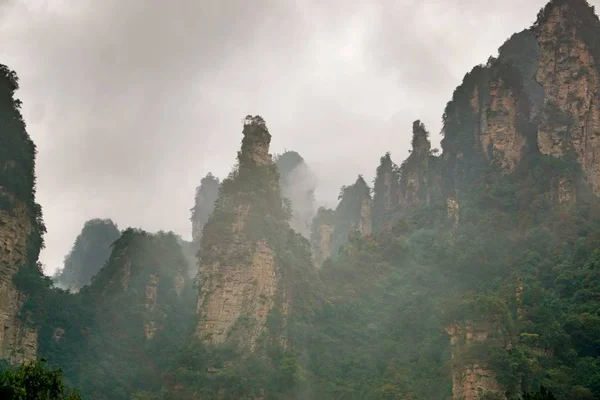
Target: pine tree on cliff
[[204, 203]]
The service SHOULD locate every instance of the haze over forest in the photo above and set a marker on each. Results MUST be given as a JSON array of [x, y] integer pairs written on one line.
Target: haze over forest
[[131, 103], [299, 201]]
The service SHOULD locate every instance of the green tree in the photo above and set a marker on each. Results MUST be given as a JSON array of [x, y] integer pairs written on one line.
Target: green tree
[[35, 381]]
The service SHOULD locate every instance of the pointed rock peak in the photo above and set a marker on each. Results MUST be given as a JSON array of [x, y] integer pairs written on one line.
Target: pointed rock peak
[[357, 189], [385, 170], [385, 163], [255, 144], [289, 164], [287, 161], [420, 140], [579, 10], [361, 183]]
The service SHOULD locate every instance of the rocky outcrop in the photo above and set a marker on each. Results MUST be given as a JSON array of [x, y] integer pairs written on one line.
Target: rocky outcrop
[[21, 226], [415, 173], [240, 276], [18, 342], [385, 193], [153, 317], [353, 214], [453, 210], [322, 235], [499, 137], [235, 300], [471, 380], [144, 278], [298, 183], [569, 72], [88, 255], [204, 203], [562, 191]]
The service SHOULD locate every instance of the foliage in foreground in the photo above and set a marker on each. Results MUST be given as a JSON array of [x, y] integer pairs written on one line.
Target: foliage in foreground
[[34, 381]]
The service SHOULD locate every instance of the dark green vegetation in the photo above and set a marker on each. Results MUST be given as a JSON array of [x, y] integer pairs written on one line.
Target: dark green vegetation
[[89, 254], [475, 266], [252, 194], [17, 164], [99, 335], [34, 381]]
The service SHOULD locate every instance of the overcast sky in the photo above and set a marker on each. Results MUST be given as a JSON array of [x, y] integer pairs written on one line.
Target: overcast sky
[[132, 102]]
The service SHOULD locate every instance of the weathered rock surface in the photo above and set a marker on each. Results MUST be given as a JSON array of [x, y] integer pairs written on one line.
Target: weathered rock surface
[[322, 235], [471, 381], [236, 299], [239, 275], [21, 226]]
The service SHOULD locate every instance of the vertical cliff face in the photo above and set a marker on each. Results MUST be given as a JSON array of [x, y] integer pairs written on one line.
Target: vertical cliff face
[[18, 342], [144, 279], [322, 235], [204, 203], [353, 214], [88, 255], [137, 310], [568, 69], [416, 179], [477, 333], [243, 275], [385, 193], [471, 380], [21, 227], [298, 183], [499, 137], [540, 95]]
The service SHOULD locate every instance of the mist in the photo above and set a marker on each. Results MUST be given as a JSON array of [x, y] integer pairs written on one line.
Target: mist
[[145, 98], [310, 265]]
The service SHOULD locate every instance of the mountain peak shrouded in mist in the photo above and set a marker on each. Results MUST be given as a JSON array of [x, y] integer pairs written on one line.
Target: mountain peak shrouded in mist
[[88, 255], [298, 183], [204, 202]]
